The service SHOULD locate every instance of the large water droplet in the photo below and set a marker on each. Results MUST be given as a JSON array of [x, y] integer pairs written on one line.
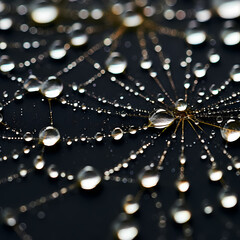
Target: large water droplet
[[57, 50], [116, 63], [213, 56], [180, 212], [88, 178], [231, 130], [52, 171], [52, 87], [78, 35], [9, 217], [181, 105], [230, 34], [38, 162], [227, 9], [195, 36], [227, 198], [130, 205], [215, 174], [5, 23], [132, 19], [161, 119], [117, 133], [235, 73], [6, 64], [182, 185], [32, 84], [146, 63], [149, 177], [199, 70], [125, 228], [49, 136], [43, 12]]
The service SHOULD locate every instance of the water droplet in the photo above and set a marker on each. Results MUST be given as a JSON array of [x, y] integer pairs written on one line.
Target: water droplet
[[99, 136], [161, 119], [213, 89], [160, 97], [182, 185], [125, 228], [227, 198], [195, 36], [9, 217], [116, 63], [228, 9], [132, 19], [57, 50], [117, 133], [52, 87], [130, 205], [213, 56], [22, 171], [88, 178], [43, 12], [236, 162], [28, 137], [6, 64], [199, 70], [230, 34], [38, 162], [5, 23], [149, 177], [215, 174], [52, 171], [181, 105], [78, 35], [203, 15], [231, 131], [235, 73], [49, 136], [180, 213], [146, 63], [32, 84]]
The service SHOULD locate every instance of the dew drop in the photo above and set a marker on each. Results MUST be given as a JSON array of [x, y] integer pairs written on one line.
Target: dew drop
[[213, 56], [9, 217], [28, 137], [32, 84], [228, 9], [43, 12], [52, 87], [235, 73], [230, 34], [195, 36], [49, 136], [38, 162], [149, 177], [132, 19], [199, 70], [231, 131], [161, 119], [88, 178], [125, 228], [182, 185], [180, 213], [78, 36], [215, 174], [181, 105], [116, 63], [52, 171], [227, 198], [5, 23], [146, 63], [117, 133], [57, 50], [130, 205], [6, 64]]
